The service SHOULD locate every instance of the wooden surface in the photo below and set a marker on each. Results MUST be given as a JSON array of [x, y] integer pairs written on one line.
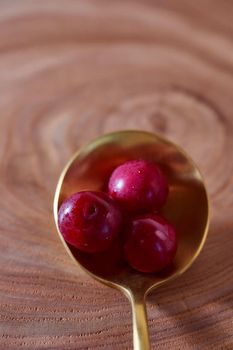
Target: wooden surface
[[73, 70]]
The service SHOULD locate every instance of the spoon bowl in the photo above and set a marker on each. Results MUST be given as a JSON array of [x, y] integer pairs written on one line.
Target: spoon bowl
[[187, 208]]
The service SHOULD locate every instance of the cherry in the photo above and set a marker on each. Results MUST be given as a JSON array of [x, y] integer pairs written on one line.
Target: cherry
[[151, 244], [138, 185], [107, 263], [90, 221]]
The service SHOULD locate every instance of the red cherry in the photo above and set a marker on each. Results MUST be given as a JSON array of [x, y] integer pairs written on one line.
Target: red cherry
[[89, 221], [151, 243], [107, 263], [138, 185]]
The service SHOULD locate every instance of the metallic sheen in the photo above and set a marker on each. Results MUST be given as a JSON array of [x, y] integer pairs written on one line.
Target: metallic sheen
[[187, 208]]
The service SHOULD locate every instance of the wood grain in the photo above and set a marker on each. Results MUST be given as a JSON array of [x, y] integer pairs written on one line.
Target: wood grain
[[73, 70]]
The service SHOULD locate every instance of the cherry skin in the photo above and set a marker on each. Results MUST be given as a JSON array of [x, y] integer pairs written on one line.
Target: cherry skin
[[138, 185], [107, 263], [151, 243], [90, 221]]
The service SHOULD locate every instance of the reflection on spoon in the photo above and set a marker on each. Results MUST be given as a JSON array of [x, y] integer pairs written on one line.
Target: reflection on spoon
[[187, 209]]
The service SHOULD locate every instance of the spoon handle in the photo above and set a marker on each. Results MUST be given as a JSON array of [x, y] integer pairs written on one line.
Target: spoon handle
[[140, 326]]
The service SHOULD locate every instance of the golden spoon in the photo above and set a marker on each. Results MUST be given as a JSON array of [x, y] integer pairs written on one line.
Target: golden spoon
[[187, 208]]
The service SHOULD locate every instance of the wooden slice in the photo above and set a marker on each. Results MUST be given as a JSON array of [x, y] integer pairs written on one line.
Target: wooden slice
[[71, 71]]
